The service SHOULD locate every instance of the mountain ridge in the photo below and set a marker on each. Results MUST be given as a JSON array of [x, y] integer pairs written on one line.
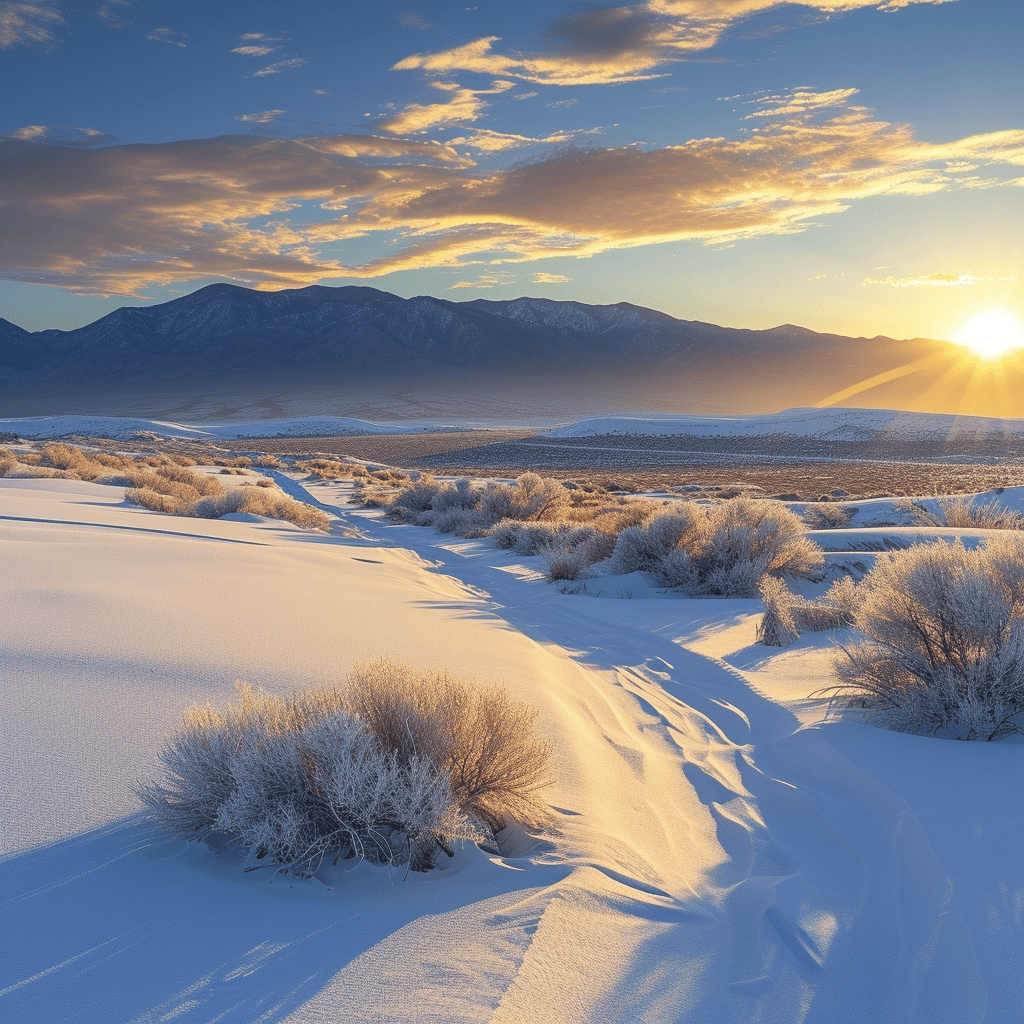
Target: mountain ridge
[[227, 328]]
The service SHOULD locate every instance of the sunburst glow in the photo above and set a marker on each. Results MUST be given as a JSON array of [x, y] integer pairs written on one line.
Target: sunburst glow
[[992, 335]]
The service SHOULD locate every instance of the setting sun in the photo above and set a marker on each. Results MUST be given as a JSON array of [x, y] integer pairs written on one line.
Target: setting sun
[[992, 335]]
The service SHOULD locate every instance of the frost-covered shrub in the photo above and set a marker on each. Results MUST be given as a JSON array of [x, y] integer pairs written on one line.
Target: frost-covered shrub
[[943, 648], [826, 515], [482, 739], [532, 498], [645, 548], [786, 614], [724, 549], [969, 513], [415, 499], [297, 781], [393, 769]]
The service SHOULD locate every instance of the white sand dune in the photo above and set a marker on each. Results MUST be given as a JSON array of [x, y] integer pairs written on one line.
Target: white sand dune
[[721, 853]]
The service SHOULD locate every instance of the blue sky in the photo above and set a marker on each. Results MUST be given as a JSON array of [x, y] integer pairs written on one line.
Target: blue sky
[[846, 165]]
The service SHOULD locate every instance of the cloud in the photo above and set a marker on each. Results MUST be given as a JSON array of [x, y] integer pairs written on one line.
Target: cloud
[[410, 19], [803, 102], [254, 51], [488, 141], [167, 35], [275, 69], [61, 135], [113, 219], [263, 117], [629, 43], [935, 281], [542, 278], [463, 105], [29, 24], [116, 13], [483, 281]]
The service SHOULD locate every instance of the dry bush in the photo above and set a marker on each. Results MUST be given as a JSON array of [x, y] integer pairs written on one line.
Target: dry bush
[[969, 514], [326, 469], [532, 497], [296, 781], [786, 614], [238, 462], [943, 648], [8, 460], [393, 769], [160, 501], [721, 550], [826, 515], [481, 738], [571, 552], [259, 501], [269, 462]]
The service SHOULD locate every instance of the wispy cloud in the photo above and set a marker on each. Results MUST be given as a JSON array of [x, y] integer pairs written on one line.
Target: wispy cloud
[[463, 105], [487, 141], [800, 102], [61, 135], [542, 278], [254, 51], [263, 117], [483, 281], [275, 69], [168, 35], [410, 19], [116, 13], [29, 24], [115, 218], [935, 281]]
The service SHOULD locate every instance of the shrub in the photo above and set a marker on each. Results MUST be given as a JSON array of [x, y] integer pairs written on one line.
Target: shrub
[[944, 641], [969, 513], [531, 498], [826, 515], [723, 550], [480, 737], [393, 769], [268, 461], [787, 614]]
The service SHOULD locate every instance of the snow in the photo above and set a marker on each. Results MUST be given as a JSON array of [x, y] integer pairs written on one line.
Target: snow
[[838, 424], [723, 851]]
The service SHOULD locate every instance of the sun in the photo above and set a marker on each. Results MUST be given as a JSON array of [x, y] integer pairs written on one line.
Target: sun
[[991, 335]]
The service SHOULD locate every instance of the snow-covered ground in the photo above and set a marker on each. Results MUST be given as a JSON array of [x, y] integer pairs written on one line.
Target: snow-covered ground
[[838, 424], [723, 851]]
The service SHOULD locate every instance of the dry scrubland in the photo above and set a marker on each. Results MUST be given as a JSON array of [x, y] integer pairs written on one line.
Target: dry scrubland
[[653, 774]]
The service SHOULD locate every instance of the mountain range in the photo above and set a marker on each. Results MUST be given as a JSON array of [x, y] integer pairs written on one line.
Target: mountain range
[[224, 328], [314, 335]]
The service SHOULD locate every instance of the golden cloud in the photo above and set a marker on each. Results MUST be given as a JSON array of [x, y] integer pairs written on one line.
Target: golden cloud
[[935, 281], [114, 219]]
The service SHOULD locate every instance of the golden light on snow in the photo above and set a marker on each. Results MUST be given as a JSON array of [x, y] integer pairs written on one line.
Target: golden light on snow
[[992, 335]]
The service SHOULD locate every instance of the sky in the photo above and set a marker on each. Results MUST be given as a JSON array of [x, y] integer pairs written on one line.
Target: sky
[[851, 166]]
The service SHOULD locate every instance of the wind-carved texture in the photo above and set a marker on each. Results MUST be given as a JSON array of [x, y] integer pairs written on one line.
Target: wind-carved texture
[[943, 647], [393, 769]]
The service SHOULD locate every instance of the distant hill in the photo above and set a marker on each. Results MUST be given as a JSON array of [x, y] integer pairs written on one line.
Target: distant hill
[[274, 352]]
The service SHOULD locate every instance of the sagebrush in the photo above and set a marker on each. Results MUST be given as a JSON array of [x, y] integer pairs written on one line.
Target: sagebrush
[[394, 768], [943, 641]]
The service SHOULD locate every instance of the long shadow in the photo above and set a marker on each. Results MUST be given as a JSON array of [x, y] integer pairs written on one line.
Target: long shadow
[[123, 925], [132, 529]]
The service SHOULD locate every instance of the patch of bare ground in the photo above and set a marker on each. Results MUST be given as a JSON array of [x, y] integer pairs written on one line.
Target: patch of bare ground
[[805, 481]]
